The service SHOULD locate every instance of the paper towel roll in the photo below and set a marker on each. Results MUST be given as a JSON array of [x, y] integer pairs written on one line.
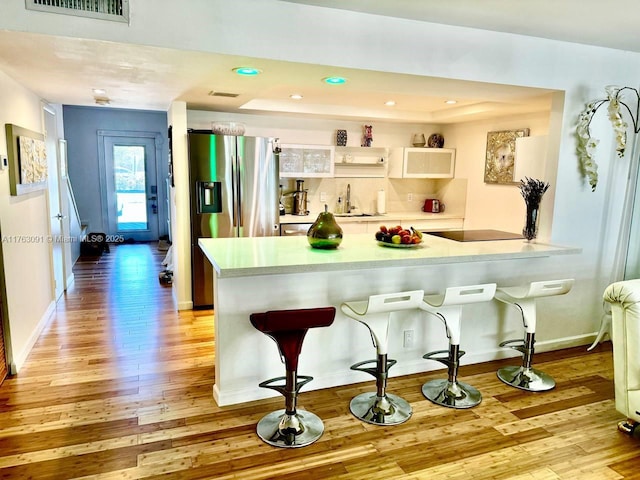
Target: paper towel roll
[[381, 202]]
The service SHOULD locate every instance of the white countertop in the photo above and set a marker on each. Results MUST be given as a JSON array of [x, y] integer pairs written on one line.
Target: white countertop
[[286, 219], [238, 257]]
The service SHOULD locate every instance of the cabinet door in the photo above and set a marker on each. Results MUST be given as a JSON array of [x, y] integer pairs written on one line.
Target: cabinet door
[[306, 161], [437, 225], [428, 163], [353, 227]]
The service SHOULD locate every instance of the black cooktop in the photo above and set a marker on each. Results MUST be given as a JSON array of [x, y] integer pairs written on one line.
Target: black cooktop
[[476, 235]]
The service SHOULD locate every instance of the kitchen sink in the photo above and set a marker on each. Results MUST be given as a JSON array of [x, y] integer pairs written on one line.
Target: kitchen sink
[[353, 215]]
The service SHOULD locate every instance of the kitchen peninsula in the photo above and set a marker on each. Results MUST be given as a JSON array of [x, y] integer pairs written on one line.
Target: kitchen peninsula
[[272, 273]]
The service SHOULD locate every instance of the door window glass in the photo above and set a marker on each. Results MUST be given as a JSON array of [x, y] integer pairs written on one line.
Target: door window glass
[[131, 187]]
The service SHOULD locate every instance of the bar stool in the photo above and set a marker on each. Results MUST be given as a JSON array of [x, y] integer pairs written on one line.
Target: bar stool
[[290, 427], [380, 408], [448, 308], [523, 297]]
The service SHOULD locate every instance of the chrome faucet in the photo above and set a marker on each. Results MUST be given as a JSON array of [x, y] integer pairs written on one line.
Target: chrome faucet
[[347, 206]]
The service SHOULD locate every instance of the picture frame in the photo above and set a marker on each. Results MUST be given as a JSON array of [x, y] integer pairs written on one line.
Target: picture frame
[[500, 159], [27, 154]]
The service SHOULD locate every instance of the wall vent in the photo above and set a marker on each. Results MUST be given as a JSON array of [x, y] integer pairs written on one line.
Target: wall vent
[[115, 10]]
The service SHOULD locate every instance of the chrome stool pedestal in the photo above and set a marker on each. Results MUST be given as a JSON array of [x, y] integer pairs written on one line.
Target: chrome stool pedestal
[[450, 392], [381, 407], [448, 308], [525, 377], [290, 427]]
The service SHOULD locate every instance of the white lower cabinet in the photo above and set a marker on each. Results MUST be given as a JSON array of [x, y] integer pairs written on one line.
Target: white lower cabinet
[[353, 227], [438, 224]]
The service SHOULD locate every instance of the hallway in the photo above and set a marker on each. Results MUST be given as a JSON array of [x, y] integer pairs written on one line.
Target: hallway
[[119, 386]]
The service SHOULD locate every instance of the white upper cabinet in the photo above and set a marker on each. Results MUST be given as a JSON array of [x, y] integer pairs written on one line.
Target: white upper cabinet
[[418, 162], [306, 160]]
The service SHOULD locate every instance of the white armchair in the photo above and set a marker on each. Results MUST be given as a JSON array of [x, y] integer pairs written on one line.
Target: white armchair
[[624, 298]]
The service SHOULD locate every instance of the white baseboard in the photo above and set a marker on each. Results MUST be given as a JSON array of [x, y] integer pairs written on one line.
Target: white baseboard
[[232, 396], [20, 358]]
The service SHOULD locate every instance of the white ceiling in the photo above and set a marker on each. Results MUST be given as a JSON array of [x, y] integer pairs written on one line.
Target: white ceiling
[[64, 70], [606, 23]]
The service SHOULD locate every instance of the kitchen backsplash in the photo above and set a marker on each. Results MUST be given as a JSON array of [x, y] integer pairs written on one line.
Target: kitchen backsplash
[[402, 195]]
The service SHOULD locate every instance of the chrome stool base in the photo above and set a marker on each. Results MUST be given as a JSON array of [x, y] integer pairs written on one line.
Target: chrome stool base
[[529, 379], [389, 409], [280, 429], [451, 394]]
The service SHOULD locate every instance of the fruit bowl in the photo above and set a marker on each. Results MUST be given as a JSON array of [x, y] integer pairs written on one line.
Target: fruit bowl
[[398, 237], [399, 245]]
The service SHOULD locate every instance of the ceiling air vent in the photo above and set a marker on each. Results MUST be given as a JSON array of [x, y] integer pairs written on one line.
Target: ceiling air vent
[[116, 10], [223, 94]]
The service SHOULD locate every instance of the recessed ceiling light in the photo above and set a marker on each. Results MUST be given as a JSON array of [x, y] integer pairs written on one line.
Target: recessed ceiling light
[[99, 91], [296, 96], [247, 71], [334, 80], [451, 102], [390, 103]]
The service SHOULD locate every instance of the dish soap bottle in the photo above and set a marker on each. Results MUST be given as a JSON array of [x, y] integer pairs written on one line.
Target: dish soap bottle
[[325, 233]]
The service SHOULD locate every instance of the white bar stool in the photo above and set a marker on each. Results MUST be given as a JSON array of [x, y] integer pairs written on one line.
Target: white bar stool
[[380, 408], [523, 297], [448, 308]]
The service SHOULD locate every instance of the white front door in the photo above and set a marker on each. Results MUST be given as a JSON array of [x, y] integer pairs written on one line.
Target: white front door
[[130, 186]]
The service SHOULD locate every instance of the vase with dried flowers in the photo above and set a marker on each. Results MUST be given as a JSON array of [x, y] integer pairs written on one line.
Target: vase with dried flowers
[[586, 144], [532, 191]]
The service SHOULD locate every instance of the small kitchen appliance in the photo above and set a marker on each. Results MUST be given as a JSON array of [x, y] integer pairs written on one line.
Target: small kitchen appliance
[[300, 199], [432, 205]]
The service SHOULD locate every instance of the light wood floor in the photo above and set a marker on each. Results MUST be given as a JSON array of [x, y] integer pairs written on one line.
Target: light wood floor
[[119, 387]]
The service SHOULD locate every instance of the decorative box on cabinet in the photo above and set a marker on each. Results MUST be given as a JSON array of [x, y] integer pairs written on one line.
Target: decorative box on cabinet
[[417, 162], [306, 160]]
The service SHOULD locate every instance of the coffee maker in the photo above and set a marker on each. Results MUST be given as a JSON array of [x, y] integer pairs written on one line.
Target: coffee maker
[[300, 199]]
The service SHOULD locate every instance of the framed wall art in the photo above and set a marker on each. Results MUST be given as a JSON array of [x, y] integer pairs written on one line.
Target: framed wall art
[[27, 155], [500, 158]]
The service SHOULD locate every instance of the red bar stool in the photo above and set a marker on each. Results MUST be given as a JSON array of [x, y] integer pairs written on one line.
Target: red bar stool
[[524, 297], [289, 427], [380, 408], [450, 392]]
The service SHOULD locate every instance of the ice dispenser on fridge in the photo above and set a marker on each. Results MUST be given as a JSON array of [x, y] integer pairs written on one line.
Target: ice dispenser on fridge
[[209, 197]]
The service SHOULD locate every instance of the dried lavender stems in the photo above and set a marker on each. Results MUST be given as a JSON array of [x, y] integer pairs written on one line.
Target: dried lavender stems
[[532, 190]]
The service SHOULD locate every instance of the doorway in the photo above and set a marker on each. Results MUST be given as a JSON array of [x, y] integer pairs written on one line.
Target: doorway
[[59, 218], [129, 184]]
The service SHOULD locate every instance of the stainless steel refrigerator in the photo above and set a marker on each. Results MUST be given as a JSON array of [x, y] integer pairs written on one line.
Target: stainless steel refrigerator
[[234, 193]]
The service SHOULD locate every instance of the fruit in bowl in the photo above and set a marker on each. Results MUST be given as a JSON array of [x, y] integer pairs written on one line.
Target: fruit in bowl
[[398, 235]]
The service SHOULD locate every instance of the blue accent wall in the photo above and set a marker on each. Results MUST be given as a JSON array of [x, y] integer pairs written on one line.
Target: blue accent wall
[[81, 125]]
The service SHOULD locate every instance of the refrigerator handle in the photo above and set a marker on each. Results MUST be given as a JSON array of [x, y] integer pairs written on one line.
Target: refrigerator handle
[[239, 203], [234, 195]]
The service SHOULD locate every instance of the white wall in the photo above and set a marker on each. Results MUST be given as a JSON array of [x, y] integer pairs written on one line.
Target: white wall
[[490, 205], [24, 228]]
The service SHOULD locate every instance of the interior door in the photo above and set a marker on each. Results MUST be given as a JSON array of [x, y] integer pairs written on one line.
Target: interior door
[[55, 208], [130, 188]]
